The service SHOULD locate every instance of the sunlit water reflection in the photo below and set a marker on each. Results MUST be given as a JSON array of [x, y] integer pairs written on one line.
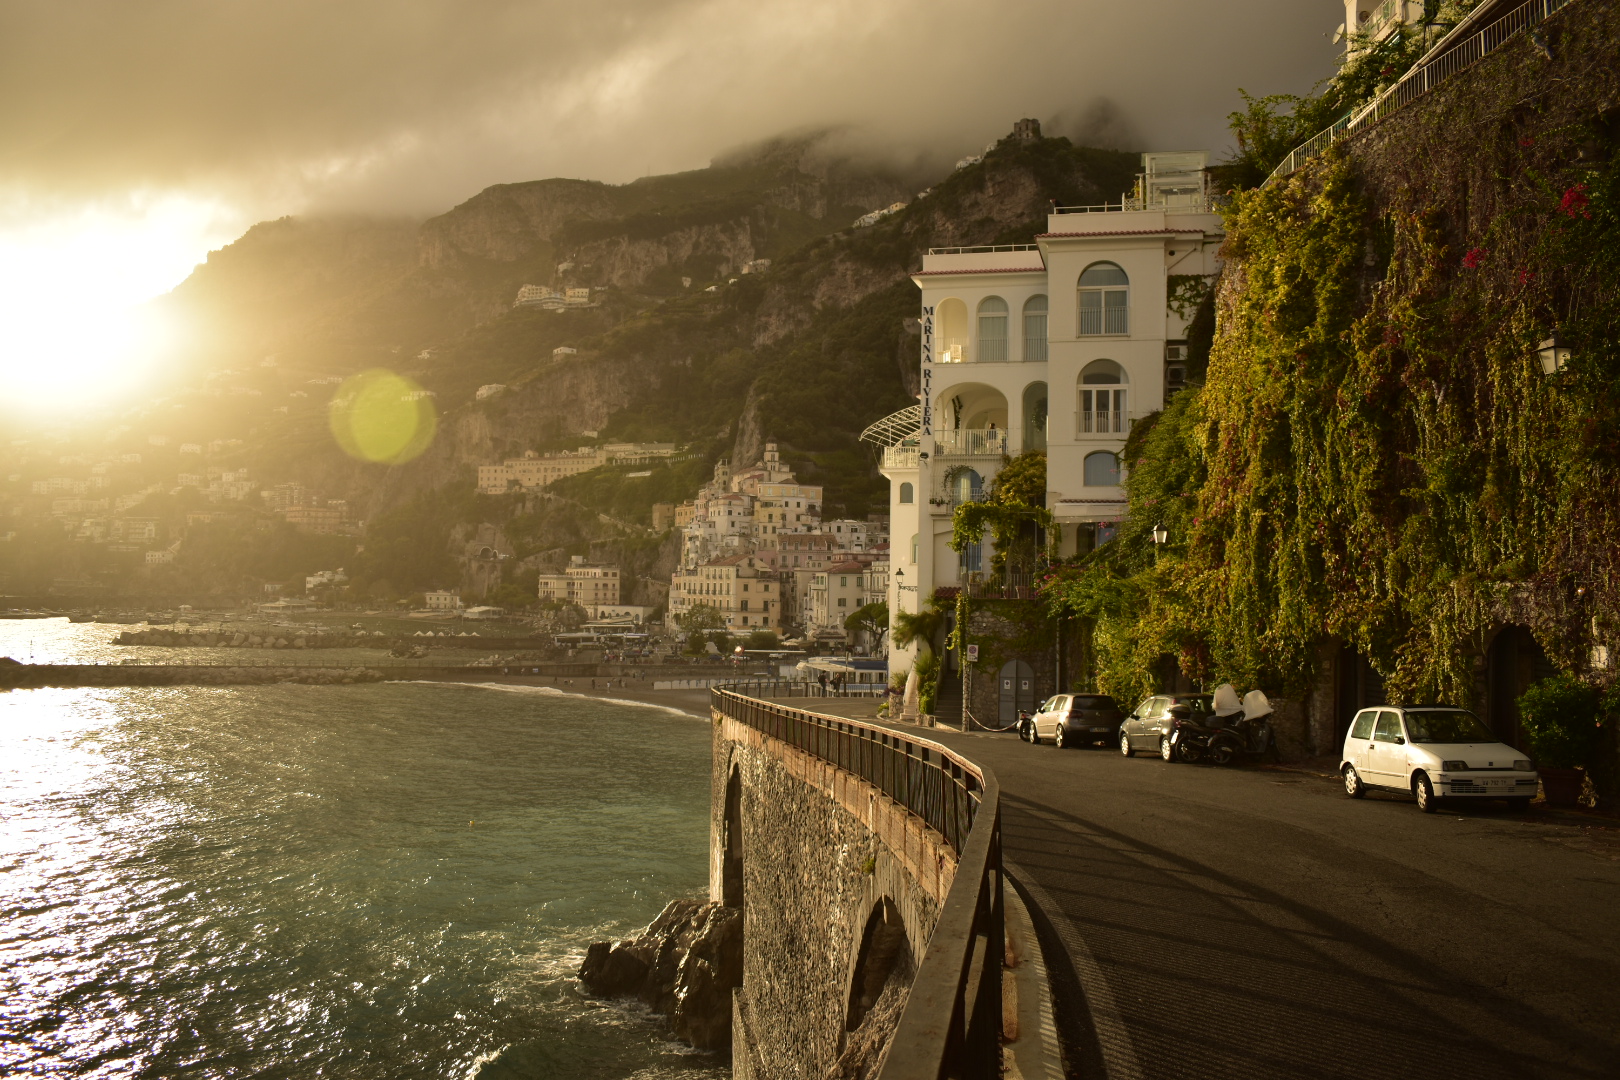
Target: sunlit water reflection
[[374, 881]]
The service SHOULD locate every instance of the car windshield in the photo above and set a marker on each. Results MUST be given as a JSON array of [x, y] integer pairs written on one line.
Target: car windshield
[[1084, 701], [1196, 704], [1446, 726]]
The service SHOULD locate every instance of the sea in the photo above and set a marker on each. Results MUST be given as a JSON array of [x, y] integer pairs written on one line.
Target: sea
[[388, 880]]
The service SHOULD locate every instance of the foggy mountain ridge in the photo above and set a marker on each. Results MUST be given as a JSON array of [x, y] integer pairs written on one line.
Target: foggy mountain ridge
[[807, 352]]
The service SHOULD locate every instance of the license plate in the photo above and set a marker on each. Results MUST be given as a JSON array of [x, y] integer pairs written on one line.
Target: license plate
[[1099, 729], [1493, 782]]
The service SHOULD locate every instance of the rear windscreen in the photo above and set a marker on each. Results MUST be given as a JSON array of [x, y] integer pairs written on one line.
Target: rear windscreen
[[1083, 702]]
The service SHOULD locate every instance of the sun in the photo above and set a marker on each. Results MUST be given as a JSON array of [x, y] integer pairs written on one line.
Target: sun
[[77, 328]]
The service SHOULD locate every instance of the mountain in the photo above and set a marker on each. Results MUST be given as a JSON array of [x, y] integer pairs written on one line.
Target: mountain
[[681, 342]]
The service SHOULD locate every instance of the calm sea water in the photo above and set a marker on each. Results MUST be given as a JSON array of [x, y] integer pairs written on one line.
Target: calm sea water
[[391, 880]]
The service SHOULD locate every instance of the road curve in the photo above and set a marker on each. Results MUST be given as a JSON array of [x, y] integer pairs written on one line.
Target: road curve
[[1251, 923]]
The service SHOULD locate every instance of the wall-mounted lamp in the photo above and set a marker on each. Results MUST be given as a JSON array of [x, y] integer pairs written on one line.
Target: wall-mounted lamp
[[1554, 355], [900, 582], [1161, 535]]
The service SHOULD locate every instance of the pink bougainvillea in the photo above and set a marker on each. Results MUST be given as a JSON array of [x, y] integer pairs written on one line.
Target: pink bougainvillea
[[1474, 257], [1574, 203]]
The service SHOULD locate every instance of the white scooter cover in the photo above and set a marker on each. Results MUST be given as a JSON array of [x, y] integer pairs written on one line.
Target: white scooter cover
[[1254, 705]]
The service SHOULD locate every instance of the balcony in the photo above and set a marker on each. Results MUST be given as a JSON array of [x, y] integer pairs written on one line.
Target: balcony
[[967, 260], [1111, 321], [1112, 424], [900, 457], [971, 442]]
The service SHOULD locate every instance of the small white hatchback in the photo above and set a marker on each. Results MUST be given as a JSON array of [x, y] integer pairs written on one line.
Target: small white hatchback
[[1433, 753]]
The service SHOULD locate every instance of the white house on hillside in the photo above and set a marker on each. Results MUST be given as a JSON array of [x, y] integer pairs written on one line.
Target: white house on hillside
[[1057, 345]]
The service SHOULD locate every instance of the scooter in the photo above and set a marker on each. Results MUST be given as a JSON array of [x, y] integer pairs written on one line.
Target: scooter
[[1242, 726], [1235, 728]]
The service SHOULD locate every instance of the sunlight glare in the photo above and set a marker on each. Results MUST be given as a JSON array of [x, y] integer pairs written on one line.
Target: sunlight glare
[[74, 289]]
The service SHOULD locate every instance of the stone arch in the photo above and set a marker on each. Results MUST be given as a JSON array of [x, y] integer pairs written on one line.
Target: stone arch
[[731, 865], [883, 966]]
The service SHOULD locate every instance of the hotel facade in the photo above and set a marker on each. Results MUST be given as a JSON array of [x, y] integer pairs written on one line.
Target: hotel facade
[[1060, 346]]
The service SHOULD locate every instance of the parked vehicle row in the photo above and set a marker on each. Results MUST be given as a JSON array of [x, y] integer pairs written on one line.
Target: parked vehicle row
[[1433, 753]]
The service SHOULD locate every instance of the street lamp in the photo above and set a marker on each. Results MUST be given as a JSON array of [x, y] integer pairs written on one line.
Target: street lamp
[[900, 582], [1554, 355], [1160, 534]]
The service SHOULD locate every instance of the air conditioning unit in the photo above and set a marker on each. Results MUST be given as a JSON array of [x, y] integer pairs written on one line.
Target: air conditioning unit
[[1175, 378], [1175, 353]]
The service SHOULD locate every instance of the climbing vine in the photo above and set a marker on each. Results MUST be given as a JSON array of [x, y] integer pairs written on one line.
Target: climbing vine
[[1376, 456]]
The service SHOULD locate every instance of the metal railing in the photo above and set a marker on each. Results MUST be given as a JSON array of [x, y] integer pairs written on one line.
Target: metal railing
[[1446, 59], [970, 442], [951, 1025], [900, 457], [982, 248], [1103, 423]]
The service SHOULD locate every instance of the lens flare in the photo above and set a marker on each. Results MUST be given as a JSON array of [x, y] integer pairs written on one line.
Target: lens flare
[[383, 418]]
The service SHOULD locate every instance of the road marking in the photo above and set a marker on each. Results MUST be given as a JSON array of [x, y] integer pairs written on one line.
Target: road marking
[[1113, 1037]]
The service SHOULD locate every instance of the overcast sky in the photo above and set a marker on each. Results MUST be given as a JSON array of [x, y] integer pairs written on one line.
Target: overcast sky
[[413, 105]]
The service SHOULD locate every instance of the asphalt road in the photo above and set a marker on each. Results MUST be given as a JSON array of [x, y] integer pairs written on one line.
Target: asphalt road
[[1249, 923]]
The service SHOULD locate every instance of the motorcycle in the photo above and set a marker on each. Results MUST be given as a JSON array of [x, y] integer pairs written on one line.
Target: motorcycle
[[1026, 725], [1235, 728]]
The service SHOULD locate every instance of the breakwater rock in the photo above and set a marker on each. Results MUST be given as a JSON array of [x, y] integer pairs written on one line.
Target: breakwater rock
[[684, 966], [15, 676], [243, 639]]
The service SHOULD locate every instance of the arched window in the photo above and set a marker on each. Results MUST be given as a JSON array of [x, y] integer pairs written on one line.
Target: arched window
[[1104, 300], [1102, 399], [1035, 416], [1035, 330], [906, 493], [950, 343], [967, 485], [992, 330], [1102, 469]]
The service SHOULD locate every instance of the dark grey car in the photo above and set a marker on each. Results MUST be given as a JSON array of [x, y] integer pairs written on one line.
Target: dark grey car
[[1150, 723]]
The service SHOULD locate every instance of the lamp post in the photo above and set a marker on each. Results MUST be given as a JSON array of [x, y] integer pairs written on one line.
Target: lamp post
[[1161, 536], [1553, 354], [900, 582]]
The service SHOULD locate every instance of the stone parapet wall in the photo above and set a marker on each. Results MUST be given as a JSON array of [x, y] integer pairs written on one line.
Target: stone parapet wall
[[821, 851]]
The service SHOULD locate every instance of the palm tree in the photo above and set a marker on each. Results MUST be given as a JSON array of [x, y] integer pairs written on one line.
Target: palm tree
[[921, 626]]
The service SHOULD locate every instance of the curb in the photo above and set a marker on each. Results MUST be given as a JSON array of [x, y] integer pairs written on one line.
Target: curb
[[1031, 1049]]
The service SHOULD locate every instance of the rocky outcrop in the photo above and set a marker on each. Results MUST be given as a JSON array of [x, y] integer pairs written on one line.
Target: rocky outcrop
[[683, 966]]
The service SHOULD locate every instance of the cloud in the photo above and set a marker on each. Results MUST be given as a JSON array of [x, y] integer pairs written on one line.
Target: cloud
[[413, 105]]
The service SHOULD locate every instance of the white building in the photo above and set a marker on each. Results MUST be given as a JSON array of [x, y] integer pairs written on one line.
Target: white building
[[1059, 345], [442, 600]]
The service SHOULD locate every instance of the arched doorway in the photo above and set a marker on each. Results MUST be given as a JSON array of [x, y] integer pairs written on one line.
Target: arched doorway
[[1035, 416], [1514, 661], [1017, 689]]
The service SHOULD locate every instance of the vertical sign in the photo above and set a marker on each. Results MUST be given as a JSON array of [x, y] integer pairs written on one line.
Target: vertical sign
[[927, 371]]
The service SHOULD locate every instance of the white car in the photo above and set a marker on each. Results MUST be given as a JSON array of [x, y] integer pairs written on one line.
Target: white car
[[1434, 753]]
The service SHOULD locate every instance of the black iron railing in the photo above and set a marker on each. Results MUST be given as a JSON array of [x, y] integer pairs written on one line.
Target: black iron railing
[[951, 1026], [1450, 56]]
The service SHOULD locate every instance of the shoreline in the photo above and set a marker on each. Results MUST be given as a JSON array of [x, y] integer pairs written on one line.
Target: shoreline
[[694, 703]]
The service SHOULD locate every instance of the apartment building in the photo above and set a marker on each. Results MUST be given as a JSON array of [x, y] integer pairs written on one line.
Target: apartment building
[[592, 586], [534, 471], [741, 587]]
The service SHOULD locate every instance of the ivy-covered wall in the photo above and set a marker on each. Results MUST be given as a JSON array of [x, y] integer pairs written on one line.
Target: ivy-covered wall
[[1375, 457]]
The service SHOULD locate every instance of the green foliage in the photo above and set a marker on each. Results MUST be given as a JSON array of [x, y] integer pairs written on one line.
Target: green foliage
[[762, 640], [870, 619], [700, 617], [1561, 722], [928, 672], [1014, 508], [920, 627], [408, 548], [1375, 457]]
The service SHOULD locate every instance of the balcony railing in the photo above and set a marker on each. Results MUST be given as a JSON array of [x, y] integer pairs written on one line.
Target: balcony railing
[[900, 457], [1105, 321], [971, 442], [982, 248], [1103, 423]]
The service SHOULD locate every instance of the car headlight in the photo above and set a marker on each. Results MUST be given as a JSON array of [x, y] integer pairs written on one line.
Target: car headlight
[[1524, 765], [1454, 766]]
